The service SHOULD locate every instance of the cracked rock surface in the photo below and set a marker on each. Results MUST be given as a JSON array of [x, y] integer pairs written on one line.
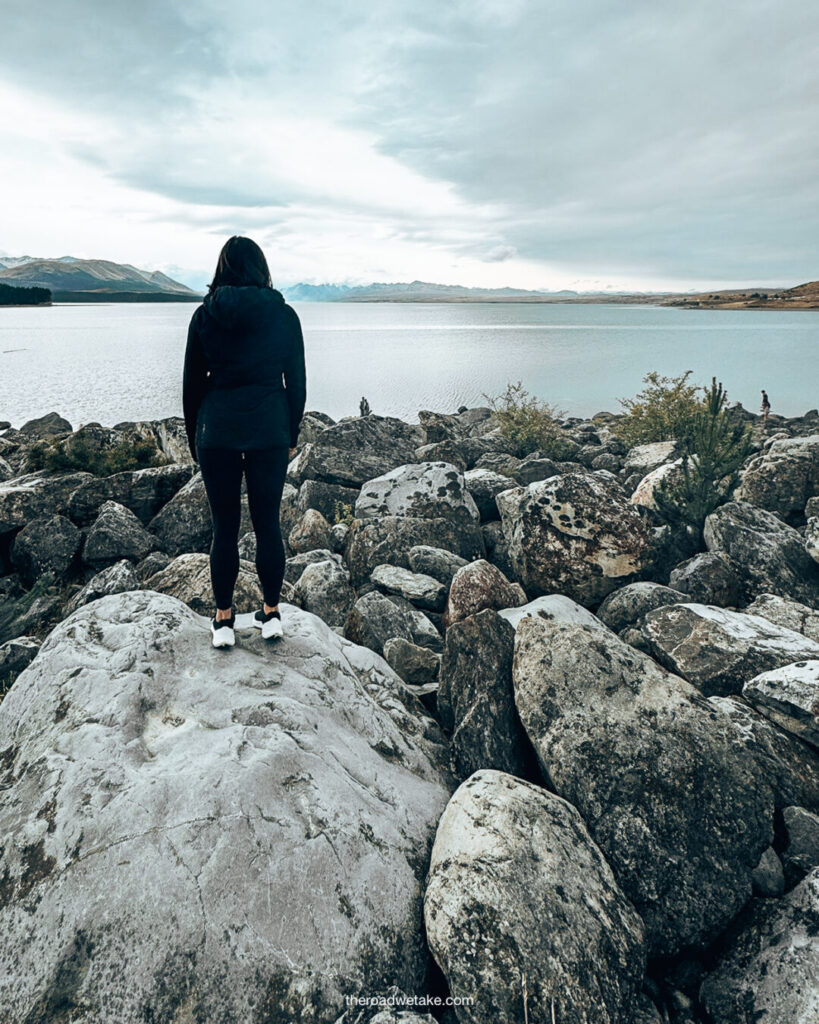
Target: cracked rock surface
[[208, 835]]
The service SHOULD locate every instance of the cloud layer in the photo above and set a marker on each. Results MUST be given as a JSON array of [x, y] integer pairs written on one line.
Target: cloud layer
[[540, 144]]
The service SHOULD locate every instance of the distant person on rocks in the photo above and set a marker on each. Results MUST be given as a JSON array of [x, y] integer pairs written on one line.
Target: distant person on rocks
[[766, 407], [244, 391], [364, 407]]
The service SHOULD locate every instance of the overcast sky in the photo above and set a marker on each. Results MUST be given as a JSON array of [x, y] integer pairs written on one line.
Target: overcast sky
[[533, 143]]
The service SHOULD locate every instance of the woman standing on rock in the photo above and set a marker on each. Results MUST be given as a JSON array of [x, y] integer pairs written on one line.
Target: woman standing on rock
[[244, 391]]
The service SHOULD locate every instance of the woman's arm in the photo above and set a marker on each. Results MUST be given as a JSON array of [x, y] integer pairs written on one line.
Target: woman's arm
[[194, 380], [295, 378]]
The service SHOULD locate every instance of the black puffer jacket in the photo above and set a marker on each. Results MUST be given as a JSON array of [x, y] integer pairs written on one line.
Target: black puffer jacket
[[244, 385]]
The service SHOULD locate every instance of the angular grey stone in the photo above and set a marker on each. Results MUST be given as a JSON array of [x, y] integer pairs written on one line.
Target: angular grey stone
[[324, 589], [783, 477], [709, 578], [48, 426], [626, 606], [436, 562], [420, 590], [116, 579], [24, 498], [416, 665], [143, 491], [719, 650], [768, 878], [801, 855], [476, 702], [522, 910], [644, 458], [479, 585], [116, 534], [187, 578], [789, 696], [46, 545], [15, 655], [311, 533], [553, 608], [483, 485], [770, 555], [373, 542], [768, 973], [679, 807], [790, 614], [376, 617]]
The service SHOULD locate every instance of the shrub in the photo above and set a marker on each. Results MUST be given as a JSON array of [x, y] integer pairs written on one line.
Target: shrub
[[714, 451], [665, 410], [343, 513], [531, 425], [80, 456]]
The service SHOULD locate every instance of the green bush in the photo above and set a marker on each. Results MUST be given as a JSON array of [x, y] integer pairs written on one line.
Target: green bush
[[343, 513], [531, 425], [80, 456], [714, 451], [665, 410]]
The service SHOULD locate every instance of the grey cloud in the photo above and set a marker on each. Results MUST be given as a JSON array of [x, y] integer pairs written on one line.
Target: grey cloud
[[650, 138]]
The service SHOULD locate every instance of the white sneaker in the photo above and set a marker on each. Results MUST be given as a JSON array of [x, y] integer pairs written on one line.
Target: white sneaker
[[270, 624], [222, 632]]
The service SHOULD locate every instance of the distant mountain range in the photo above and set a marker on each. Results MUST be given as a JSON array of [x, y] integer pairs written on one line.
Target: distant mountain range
[[71, 279], [414, 291]]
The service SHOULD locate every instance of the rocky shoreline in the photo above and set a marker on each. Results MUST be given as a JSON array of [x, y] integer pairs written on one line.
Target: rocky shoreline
[[519, 747]]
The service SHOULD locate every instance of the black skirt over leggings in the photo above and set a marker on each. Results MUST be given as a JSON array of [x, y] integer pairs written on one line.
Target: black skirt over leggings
[[265, 471]]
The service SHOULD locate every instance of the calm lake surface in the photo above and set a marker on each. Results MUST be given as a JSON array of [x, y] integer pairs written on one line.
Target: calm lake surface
[[124, 361]]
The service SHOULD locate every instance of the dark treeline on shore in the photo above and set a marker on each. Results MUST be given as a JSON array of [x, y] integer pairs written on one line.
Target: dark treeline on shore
[[10, 296]]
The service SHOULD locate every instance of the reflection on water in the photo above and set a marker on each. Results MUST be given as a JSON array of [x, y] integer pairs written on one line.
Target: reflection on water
[[124, 362]]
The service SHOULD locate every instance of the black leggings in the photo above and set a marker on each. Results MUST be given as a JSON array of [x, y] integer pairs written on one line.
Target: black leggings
[[265, 471]]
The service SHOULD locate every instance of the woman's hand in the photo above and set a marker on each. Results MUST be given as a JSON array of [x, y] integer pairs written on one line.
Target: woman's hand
[[291, 454]]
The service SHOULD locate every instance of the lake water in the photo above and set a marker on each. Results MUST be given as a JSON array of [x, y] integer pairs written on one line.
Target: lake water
[[124, 361]]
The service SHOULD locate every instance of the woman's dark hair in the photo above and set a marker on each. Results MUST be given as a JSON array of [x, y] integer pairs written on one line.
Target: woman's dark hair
[[241, 262]]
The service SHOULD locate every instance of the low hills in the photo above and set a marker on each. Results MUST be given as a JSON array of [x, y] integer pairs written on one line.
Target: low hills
[[803, 296], [71, 279]]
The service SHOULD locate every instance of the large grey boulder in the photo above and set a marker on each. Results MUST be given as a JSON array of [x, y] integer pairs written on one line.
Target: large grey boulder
[[24, 498], [187, 578], [432, 490], [295, 565], [143, 491], [116, 534], [770, 554], [115, 579], [789, 696], [421, 590], [324, 589], [787, 613], [416, 665], [790, 766], [185, 828], [355, 450], [478, 585], [680, 809], [709, 578], [783, 477], [376, 617], [626, 606], [388, 540], [476, 702], [574, 534], [48, 544], [523, 913], [769, 972], [719, 650], [46, 427], [184, 523]]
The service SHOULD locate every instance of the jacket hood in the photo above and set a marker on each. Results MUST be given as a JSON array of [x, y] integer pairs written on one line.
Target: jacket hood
[[233, 305]]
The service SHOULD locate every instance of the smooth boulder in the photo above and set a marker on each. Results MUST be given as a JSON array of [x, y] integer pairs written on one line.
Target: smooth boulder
[[217, 826], [479, 585], [626, 606], [431, 490], [523, 914]]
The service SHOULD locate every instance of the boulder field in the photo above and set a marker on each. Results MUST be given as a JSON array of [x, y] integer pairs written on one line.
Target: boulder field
[[520, 758]]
